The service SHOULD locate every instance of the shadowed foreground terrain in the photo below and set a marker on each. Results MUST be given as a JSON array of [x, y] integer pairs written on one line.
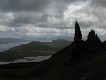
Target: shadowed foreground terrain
[[81, 60]]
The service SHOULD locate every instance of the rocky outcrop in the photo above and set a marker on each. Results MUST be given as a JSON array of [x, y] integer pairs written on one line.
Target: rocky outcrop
[[93, 41], [78, 34], [85, 49]]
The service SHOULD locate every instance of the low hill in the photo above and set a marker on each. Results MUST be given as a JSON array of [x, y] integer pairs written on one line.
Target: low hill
[[34, 48]]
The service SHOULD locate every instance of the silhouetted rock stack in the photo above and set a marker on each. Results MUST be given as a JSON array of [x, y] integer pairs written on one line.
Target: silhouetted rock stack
[[78, 34], [81, 48], [93, 41], [78, 45], [78, 42]]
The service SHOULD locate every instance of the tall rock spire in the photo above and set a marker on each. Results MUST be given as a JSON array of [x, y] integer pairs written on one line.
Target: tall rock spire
[[78, 34]]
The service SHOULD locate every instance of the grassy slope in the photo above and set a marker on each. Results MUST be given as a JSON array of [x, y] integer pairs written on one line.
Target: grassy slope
[[33, 48], [94, 69]]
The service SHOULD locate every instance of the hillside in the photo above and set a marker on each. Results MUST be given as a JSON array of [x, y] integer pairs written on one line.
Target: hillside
[[33, 48], [81, 60]]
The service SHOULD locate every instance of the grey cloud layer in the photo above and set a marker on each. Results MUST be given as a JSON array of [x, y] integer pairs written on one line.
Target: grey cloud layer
[[52, 16], [23, 5], [99, 3], [28, 5]]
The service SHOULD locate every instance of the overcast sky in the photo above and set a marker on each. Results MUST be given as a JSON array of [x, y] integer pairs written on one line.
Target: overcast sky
[[46, 20]]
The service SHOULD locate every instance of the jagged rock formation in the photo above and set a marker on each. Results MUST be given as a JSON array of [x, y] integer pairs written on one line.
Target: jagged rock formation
[[81, 60], [93, 40], [78, 34]]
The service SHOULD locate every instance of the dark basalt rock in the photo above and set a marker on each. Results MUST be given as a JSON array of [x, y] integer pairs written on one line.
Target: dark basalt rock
[[78, 34], [77, 42], [93, 41]]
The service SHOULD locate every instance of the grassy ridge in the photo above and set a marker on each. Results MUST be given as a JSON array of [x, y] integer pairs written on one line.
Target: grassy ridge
[[33, 48]]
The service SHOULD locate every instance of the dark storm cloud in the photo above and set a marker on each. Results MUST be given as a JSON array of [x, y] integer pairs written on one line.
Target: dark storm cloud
[[29, 19], [21, 19], [48, 15], [99, 3], [57, 7], [23, 5], [29, 5]]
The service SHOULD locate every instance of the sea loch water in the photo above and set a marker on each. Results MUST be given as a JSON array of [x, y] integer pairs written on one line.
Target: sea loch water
[[28, 59], [4, 47]]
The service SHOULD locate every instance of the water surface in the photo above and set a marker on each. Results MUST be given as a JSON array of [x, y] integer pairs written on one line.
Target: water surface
[[28, 59]]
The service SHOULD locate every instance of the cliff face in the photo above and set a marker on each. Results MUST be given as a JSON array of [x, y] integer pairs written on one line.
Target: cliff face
[[81, 60]]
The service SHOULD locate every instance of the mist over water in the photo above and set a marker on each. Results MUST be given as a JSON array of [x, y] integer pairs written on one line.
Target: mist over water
[[28, 59]]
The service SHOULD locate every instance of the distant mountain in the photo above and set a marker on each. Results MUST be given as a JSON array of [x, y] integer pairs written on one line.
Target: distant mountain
[[10, 40], [34, 48]]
